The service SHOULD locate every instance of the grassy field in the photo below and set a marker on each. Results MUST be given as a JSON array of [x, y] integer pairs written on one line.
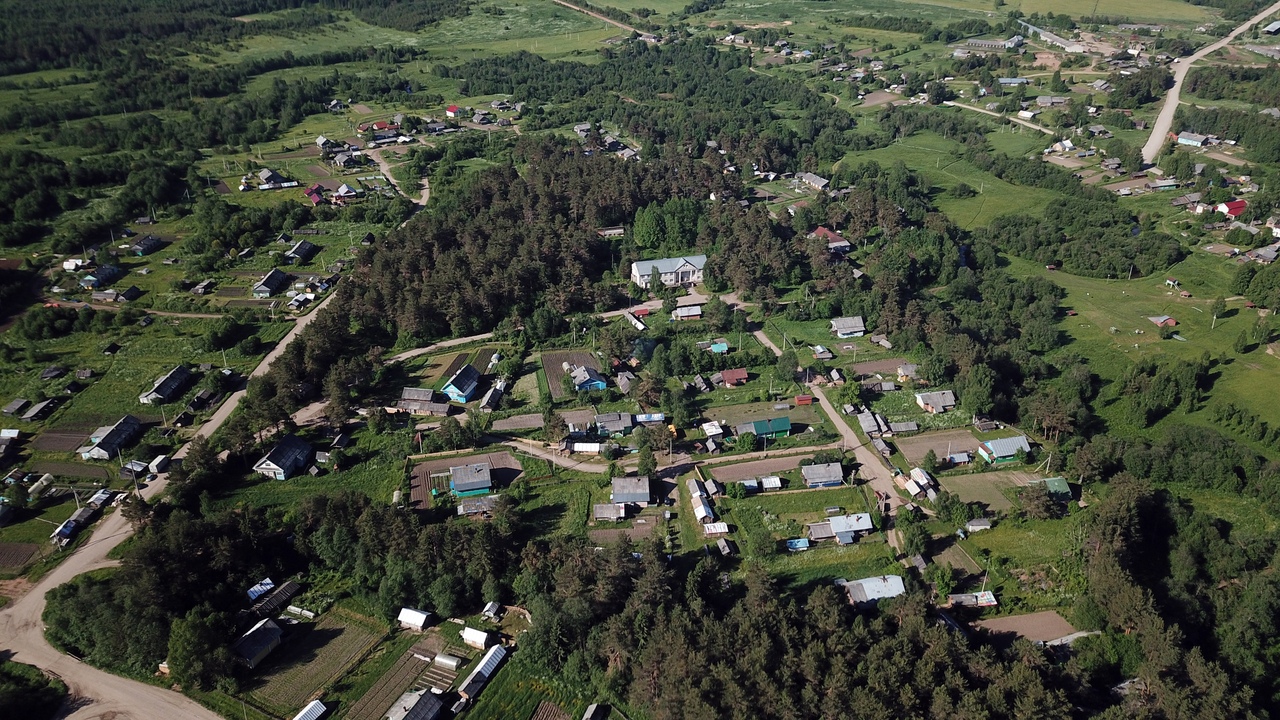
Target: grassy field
[[1033, 564], [516, 691], [1125, 306], [375, 466], [937, 159], [900, 406]]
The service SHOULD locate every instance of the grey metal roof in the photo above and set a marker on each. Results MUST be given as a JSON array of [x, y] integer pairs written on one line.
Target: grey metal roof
[[288, 454], [632, 489], [465, 380], [466, 478], [848, 324], [169, 386], [666, 266], [874, 588], [938, 398], [859, 522], [1008, 447], [824, 473]]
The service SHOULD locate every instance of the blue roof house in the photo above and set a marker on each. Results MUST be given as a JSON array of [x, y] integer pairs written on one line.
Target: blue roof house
[[463, 384]]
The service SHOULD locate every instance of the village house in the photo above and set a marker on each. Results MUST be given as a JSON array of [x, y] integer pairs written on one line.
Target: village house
[[632, 491], [462, 385], [844, 529], [168, 387], [610, 424], [835, 243], [471, 480], [302, 251], [936, 402], [671, 271], [824, 475], [107, 441], [423, 401], [816, 182], [100, 277], [289, 456], [585, 377], [687, 312], [869, 591], [734, 377], [848, 327], [146, 246], [773, 428], [1191, 139], [271, 283], [255, 645], [1003, 449], [492, 399]]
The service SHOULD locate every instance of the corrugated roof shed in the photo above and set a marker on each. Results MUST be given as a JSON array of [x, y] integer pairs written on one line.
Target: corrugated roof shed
[[312, 711]]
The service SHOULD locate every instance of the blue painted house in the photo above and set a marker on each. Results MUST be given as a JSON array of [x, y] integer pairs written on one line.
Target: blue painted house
[[463, 384]]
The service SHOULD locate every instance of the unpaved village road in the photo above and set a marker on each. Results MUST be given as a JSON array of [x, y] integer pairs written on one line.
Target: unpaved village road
[[98, 695], [1160, 129]]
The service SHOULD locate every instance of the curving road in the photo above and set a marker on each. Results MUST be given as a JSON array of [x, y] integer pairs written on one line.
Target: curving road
[[1164, 123], [95, 694]]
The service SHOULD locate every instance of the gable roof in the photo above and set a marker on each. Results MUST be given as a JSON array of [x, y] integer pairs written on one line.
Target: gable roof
[[613, 422], [1007, 447], [824, 473], [465, 379], [275, 281], [874, 588], [858, 522], [666, 266], [302, 250], [765, 427], [469, 478], [848, 324], [937, 398], [735, 375], [289, 454], [632, 489], [167, 387]]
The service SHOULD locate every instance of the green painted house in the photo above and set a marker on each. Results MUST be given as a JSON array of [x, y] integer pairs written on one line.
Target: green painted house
[[773, 428], [1057, 487]]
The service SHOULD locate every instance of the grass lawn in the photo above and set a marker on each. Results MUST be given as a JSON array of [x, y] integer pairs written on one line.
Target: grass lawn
[[518, 688], [559, 507], [1125, 306], [900, 406], [938, 160], [1034, 564], [375, 465]]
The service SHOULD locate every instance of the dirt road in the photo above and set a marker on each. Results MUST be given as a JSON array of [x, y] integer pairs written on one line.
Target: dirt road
[[385, 167], [992, 113], [94, 693], [222, 413], [597, 16], [1164, 122], [409, 354]]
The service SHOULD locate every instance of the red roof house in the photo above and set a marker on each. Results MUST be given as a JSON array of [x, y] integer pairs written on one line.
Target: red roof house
[[451, 111], [1232, 209], [737, 376]]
